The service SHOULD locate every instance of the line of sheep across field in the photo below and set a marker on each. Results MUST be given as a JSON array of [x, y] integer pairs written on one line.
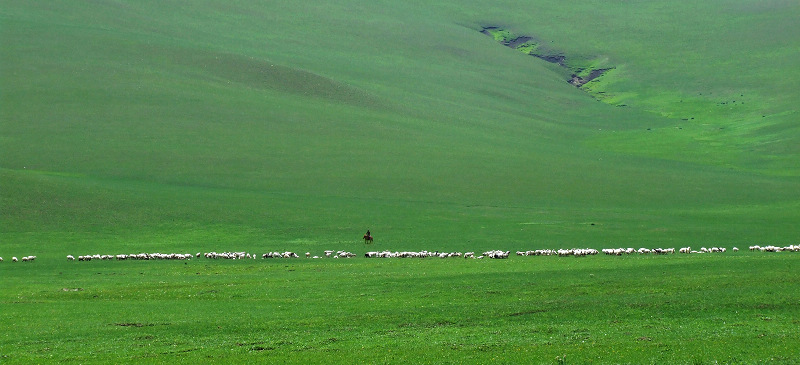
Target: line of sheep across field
[[24, 259], [494, 254], [240, 255]]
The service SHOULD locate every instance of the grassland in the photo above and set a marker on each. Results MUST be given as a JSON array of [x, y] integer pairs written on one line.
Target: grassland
[[638, 310], [131, 127]]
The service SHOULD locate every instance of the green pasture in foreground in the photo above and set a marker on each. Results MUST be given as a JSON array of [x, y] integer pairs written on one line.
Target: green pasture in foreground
[[718, 308], [168, 126]]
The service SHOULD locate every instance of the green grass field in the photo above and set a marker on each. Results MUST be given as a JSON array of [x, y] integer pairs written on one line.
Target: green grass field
[[734, 308], [250, 126]]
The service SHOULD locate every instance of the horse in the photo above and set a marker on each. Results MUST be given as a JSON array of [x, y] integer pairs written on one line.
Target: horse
[[367, 238]]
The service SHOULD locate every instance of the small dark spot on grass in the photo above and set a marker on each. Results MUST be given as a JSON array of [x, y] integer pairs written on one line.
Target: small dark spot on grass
[[486, 347], [250, 343], [262, 348], [441, 324], [644, 338], [533, 311], [134, 324]]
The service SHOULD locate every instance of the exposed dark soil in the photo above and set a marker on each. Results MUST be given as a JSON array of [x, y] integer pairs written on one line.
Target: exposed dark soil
[[487, 30], [132, 324], [557, 59], [580, 81], [516, 42]]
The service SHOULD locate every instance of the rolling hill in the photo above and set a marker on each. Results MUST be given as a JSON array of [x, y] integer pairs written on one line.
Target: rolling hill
[[236, 125]]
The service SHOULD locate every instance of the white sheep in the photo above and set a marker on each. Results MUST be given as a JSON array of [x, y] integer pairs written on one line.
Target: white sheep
[[345, 254]]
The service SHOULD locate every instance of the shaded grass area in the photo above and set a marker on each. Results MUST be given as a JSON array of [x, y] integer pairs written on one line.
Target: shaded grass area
[[52, 215], [676, 309]]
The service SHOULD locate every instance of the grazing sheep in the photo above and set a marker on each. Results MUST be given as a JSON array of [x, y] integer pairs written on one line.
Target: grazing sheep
[[345, 254], [409, 254], [14, 259], [497, 254]]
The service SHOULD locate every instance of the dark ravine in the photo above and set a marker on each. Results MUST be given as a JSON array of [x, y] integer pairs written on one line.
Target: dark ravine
[[580, 81], [516, 42], [532, 46]]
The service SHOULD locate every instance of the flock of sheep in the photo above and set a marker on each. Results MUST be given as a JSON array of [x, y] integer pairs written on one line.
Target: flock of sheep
[[240, 255], [792, 248], [495, 254], [24, 259]]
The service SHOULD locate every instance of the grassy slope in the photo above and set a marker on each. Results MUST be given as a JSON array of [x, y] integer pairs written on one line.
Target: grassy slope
[[234, 126], [724, 66], [385, 118]]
